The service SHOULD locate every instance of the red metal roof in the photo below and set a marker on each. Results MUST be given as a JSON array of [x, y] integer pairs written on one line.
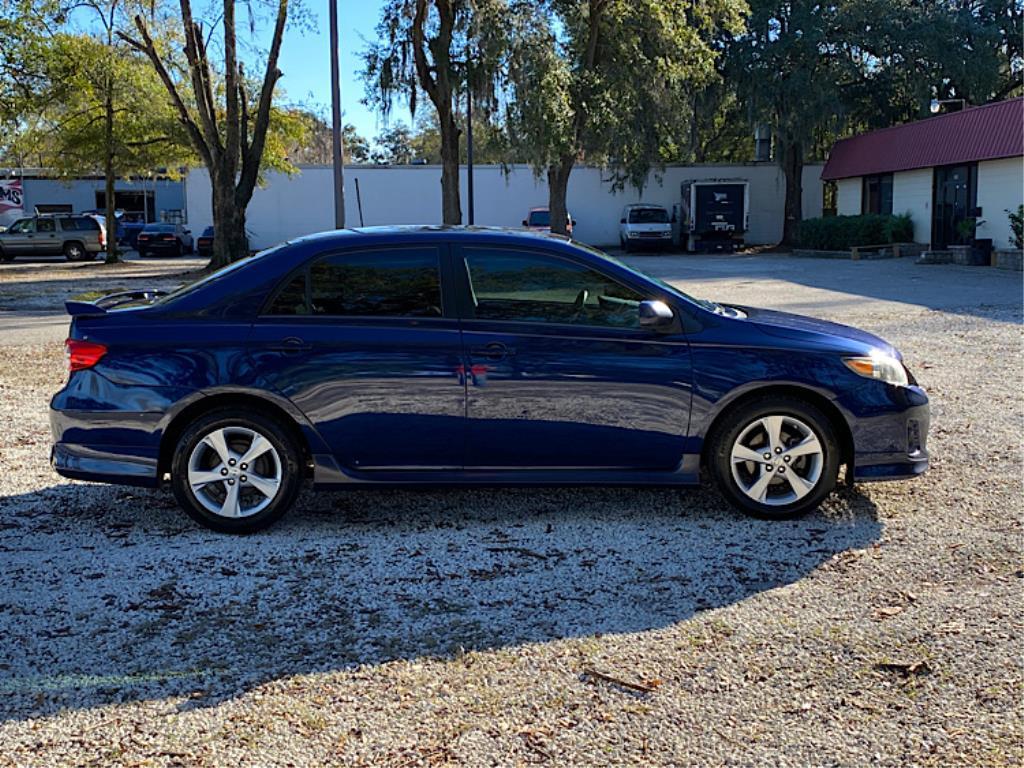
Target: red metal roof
[[977, 133]]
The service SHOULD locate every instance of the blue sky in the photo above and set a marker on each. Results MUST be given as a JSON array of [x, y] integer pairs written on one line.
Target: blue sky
[[305, 62]]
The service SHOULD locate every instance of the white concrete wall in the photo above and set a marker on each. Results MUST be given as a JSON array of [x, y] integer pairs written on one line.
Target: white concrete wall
[[1000, 188], [296, 205], [912, 193], [848, 194]]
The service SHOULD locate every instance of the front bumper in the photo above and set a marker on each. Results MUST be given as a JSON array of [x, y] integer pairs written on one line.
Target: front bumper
[[898, 441]]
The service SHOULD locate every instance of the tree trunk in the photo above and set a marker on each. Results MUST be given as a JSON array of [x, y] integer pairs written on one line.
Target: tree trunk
[[451, 203], [793, 169], [229, 238], [108, 171], [558, 187]]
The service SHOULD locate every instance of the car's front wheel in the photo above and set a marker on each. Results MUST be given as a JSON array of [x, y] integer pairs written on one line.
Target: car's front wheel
[[235, 471], [776, 457]]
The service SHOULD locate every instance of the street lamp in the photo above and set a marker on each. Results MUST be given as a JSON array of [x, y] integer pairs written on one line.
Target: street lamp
[[936, 104], [337, 150]]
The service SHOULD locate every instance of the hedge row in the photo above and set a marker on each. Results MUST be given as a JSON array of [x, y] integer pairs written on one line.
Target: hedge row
[[839, 233]]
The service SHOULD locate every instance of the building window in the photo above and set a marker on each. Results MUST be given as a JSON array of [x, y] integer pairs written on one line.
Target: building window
[[877, 194], [829, 198]]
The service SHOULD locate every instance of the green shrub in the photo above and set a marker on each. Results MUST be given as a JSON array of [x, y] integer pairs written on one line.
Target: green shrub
[[1017, 226], [840, 233]]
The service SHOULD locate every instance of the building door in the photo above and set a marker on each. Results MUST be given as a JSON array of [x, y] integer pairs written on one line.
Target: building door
[[956, 191]]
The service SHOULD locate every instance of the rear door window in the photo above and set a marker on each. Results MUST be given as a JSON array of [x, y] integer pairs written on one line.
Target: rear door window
[[380, 283], [46, 225]]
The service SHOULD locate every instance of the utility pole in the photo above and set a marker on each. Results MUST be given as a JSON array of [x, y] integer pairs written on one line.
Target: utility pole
[[469, 150], [337, 150]]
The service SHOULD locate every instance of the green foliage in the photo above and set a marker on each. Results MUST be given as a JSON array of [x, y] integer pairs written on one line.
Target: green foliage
[[839, 233], [68, 134], [611, 81], [1017, 226]]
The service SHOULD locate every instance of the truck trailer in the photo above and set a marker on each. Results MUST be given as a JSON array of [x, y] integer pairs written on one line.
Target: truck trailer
[[713, 215]]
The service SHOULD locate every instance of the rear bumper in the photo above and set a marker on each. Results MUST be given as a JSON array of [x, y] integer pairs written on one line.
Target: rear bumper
[[105, 464]]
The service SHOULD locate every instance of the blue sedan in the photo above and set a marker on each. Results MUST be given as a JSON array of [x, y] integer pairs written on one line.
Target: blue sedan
[[442, 356]]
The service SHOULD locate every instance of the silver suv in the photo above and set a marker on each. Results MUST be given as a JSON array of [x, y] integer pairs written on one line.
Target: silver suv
[[78, 237]]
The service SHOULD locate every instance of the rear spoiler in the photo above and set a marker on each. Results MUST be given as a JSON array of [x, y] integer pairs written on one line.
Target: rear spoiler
[[110, 301]]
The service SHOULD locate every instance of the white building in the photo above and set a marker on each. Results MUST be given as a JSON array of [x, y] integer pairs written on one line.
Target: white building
[[941, 170], [289, 206]]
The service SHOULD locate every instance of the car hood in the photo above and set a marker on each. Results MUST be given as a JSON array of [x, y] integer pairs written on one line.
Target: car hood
[[809, 329]]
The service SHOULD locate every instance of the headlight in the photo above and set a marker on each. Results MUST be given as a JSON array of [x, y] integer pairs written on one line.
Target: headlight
[[632, 234], [879, 366]]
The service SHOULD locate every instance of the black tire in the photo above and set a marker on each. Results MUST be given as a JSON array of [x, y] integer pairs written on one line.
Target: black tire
[[745, 417], [142, 253], [179, 249], [75, 251], [4, 256], [288, 460]]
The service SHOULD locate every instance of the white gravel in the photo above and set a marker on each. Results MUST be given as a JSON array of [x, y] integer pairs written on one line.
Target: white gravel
[[457, 628]]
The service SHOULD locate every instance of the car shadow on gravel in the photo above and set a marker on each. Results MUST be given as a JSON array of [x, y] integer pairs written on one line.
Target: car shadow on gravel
[[111, 595]]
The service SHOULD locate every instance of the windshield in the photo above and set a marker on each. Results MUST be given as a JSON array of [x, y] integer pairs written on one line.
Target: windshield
[[540, 219], [648, 216], [705, 303]]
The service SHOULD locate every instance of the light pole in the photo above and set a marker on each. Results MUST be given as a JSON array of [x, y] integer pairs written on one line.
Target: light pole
[[469, 149], [337, 150]]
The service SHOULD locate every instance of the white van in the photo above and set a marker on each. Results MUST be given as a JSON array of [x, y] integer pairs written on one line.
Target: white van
[[644, 225]]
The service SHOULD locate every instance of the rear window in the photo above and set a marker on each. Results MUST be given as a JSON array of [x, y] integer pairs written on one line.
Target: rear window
[[648, 216], [79, 224], [400, 283], [158, 228], [540, 219]]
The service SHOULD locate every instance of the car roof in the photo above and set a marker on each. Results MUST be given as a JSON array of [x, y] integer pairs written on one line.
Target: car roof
[[426, 233], [646, 205]]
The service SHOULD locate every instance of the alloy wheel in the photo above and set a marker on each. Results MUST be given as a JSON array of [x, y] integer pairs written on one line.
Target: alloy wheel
[[777, 460], [235, 472]]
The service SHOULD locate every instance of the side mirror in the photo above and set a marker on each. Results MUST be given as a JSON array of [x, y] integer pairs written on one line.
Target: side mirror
[[622, 221], [655, 314], [573, 223], [525, 224]]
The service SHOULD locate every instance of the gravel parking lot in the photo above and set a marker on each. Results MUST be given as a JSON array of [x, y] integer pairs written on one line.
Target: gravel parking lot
[[557, 627]]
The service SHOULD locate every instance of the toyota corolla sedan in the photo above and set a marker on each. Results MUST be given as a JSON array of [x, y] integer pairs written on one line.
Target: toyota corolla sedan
[[424, 356]]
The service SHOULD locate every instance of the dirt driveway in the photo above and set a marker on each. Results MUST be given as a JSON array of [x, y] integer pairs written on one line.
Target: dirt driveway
[[489, 627]]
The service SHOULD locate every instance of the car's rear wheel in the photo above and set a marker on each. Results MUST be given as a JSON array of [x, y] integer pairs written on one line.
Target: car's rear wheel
[[235, 471], [776, 457], [74, 251]]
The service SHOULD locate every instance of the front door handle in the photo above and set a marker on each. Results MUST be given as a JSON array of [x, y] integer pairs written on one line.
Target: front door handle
[[494, 351], [291, 344]]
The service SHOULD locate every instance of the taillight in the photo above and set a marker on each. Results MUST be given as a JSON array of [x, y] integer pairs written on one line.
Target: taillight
[[82, 354], [167, 237], [103, 238]]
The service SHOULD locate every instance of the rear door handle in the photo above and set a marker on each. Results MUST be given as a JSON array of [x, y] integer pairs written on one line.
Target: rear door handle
[[494, 351], [291, 344]]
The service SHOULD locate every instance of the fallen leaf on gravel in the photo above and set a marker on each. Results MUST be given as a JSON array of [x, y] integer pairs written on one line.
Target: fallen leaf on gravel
[[905, 669], [644, 687], [888, 611]]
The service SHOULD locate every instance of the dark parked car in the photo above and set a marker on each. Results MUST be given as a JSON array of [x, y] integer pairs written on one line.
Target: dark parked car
[[164, 239], [439, 356], [204, 243], [77, 236]]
